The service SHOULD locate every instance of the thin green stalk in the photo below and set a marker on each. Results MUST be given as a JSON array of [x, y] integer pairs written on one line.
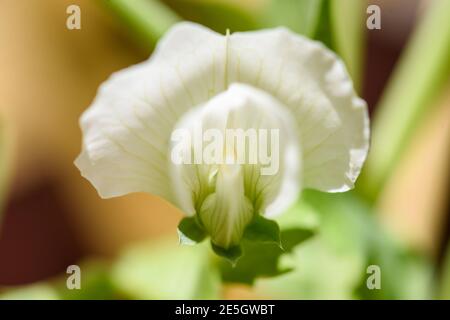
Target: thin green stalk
[[347, 20], [147, 19]]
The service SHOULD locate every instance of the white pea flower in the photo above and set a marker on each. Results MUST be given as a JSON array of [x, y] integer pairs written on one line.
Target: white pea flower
[[272, 80]]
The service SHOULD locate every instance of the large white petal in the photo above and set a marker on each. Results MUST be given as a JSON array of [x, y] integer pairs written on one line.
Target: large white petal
[[314, 84], [127, 128]]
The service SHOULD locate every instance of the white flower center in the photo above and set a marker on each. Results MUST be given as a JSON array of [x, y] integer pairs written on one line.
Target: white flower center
[[227, 194]]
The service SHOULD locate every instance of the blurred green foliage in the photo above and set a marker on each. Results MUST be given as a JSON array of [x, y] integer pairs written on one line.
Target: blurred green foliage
[[445, 277], [419, 76], [329, 265], [217, 15], [95, 278], [166, 270], [301, 16], [159, 270], [333, 264], [36, 291]]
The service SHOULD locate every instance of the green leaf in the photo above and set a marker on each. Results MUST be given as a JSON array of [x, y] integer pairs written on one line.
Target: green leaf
[[261, 250], [301, 16], [190, 231], [292, 237], [166, 270], [232, 254], [261, 259], [417, 80], [263, 230]]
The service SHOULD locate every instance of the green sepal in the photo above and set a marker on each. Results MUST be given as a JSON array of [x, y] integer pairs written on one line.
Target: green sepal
[[263, 230], [190, 231], [232, 254]]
